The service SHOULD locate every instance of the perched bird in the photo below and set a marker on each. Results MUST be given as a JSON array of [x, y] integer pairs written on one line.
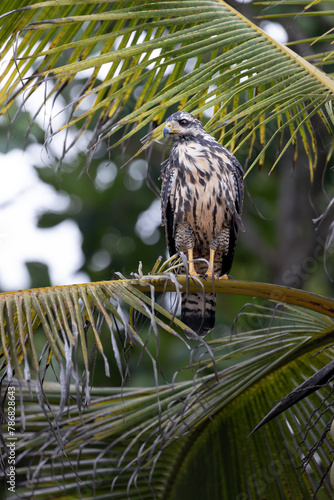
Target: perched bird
[[201, 204]]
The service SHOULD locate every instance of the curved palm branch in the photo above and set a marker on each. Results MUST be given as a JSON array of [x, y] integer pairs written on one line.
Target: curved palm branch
[[69, 315], [193, 55]]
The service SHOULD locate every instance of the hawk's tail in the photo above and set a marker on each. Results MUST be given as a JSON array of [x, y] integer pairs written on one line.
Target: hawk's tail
[[198, 311]]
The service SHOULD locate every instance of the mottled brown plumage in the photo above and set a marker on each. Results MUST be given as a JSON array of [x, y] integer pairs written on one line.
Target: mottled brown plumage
[[201, 202]]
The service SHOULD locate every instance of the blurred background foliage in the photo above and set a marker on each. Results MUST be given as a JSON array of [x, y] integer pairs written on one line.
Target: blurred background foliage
[[117, 211]]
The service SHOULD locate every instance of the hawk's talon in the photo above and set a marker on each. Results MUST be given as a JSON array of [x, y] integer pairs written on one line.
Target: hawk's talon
[[215, 276]]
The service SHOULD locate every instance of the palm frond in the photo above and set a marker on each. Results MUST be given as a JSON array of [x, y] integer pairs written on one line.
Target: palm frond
[[93, 441], [146, 443], [156, 56], [322, 45], [71, 318], [320, 379]]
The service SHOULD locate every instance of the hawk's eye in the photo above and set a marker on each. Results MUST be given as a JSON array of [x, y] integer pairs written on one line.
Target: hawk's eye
[[183, 122]]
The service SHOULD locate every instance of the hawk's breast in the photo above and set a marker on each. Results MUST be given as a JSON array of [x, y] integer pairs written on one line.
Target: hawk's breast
[[202, 190]]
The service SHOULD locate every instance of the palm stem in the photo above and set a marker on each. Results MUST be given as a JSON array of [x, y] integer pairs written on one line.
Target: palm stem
[[277, 293]]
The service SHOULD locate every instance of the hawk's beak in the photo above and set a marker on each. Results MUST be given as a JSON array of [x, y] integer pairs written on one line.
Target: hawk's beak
[[166, 130], [170, 128]]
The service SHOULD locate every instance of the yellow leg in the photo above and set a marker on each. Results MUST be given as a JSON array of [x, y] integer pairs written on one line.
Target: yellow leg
[[209, 271], [192, 270], [211, 262]]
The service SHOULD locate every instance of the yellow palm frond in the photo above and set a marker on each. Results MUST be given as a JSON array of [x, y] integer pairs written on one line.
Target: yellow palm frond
[[158, 56]]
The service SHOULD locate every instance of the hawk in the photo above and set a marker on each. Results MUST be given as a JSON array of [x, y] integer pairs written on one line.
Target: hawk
[[201, 204]]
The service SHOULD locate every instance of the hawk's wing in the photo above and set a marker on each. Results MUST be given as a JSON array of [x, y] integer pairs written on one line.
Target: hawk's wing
[[167, 211], [235, 208], [238, 180]]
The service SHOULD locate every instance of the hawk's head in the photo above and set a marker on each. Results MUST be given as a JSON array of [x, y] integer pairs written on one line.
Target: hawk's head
[[181, 126]]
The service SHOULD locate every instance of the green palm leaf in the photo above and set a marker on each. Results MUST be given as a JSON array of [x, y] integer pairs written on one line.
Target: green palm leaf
[[163, 55]]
